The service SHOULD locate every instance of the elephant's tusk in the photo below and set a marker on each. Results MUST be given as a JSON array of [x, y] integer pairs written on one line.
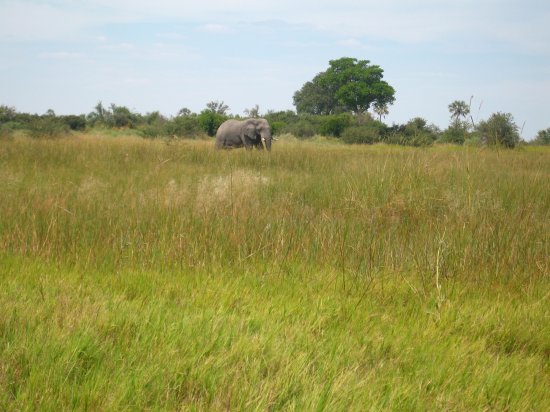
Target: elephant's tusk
[[263, 143]]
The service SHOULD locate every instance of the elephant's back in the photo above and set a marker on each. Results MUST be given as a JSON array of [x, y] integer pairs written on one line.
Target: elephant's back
[[227, 125], [227, 134]]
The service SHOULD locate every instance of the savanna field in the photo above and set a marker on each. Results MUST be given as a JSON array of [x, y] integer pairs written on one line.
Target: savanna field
[[164, 275]]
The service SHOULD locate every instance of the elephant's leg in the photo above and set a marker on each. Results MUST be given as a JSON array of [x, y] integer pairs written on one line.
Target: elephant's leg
[[244, 142], [248, 145]]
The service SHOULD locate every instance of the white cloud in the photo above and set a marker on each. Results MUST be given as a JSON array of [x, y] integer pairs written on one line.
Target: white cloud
[[23, 21], [521, 24]]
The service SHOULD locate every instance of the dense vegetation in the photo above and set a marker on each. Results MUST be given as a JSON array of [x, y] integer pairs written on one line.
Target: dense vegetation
[[334, 103], [157, 274], [499, 129]]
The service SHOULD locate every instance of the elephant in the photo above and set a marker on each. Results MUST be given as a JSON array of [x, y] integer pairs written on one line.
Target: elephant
[[248, 133]]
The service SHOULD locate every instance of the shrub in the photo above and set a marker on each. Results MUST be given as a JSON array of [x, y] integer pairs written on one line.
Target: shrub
[[456, 133], [416, 132], [361, 135], [543, 137], [152, 130], [302, 129], [121, 116], [47, 126], [499, 130], [74, 122], [209, 121], [334, 125], [277, 127], [184, 126]]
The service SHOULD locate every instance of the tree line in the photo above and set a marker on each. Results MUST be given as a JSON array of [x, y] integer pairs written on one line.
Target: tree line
[[347, 101]]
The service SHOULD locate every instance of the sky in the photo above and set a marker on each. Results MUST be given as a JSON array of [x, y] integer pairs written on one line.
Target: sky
[[167, 54]]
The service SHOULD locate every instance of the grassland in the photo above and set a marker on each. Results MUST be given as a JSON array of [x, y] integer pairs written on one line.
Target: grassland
[[160, 275]]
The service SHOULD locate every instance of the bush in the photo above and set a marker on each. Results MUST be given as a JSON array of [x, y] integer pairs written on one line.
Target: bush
[[543, 137], [277, 127], [209, 121], [416, 132], [7, 114], [456, 133], [47, 126], [7, 129], [74, 122], [152, 130], [184, 126], [334, 125], [302, 129], [499, 130], [121, 116], [361, 135]]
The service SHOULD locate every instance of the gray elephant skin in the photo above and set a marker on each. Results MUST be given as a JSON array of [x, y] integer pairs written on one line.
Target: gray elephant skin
[[247, 133]]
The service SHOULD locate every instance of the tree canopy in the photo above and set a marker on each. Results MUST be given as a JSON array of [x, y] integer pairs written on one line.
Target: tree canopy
[[458, 109], [500, 130], [348, 85], [543, 137]]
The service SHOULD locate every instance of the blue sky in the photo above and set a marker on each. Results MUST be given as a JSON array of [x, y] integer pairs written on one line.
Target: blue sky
[[166, 54]]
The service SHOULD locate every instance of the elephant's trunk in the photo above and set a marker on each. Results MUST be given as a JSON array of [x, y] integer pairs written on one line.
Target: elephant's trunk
[[265, 137]]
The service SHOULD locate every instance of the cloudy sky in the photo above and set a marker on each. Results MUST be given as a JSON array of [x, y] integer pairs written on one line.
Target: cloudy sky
[[168, 54]]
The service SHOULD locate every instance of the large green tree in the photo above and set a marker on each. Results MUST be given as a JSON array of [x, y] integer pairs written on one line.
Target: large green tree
[[348, 85]]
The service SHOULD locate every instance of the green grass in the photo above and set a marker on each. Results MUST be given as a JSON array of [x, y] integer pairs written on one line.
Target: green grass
[[159, 275]]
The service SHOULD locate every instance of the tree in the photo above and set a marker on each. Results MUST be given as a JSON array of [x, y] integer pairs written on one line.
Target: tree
[[253, 112], [209, 121], [348, 85], [74, 122], [184, 112], [98, 115], [217, 107], [7, 114], [122, 116], [315, 98], [543, 137], [499, 130], [416, 132], [457, 132], [458, 109], [381, 109], [213, 116]]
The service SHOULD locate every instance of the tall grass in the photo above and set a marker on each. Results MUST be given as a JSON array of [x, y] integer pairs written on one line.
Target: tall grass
[[122, 203], [167, 275]]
